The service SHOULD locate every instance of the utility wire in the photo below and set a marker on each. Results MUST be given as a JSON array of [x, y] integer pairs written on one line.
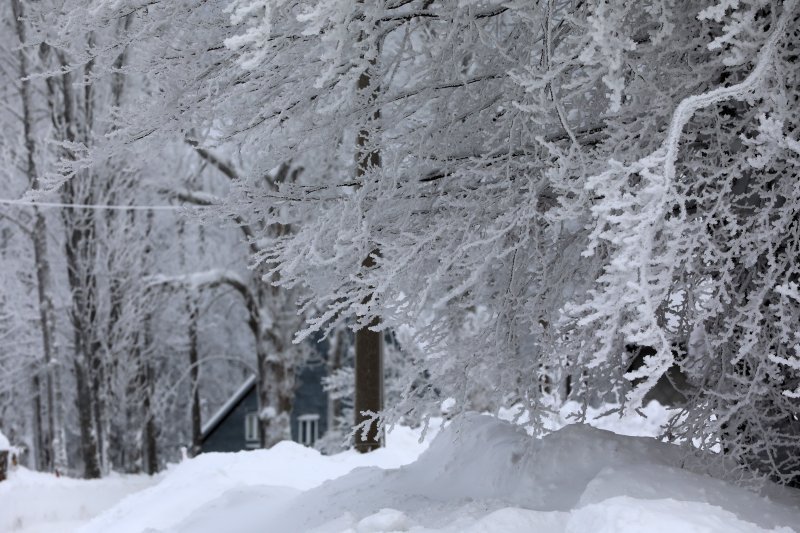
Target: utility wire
[[59, 205]]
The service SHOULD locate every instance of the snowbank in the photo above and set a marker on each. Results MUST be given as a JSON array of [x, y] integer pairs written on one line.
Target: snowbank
[[216, 481], [480, 474], [577, 479]]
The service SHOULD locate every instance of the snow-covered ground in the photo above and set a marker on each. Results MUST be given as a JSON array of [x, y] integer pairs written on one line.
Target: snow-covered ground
[[35, 502], [479, 474]]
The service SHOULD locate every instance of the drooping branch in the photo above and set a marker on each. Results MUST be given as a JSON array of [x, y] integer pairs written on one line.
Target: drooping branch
[[206, 199], [215, 161], [227, 168], [210, 279]]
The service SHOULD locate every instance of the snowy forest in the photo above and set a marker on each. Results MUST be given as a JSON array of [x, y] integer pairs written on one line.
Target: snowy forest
[[451, 206]]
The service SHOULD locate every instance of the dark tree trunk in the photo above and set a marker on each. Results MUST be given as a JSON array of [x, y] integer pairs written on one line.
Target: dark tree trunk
[[3, 464], [369, 386], [150, 431], [83, 285], [39, 455], [369, 344], [91, 462], [194, 374], [145, 386]]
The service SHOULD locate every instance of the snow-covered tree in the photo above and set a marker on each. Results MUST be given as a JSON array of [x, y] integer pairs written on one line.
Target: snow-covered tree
[[524, 190], [565, 177], [194, 94], [91, 382]]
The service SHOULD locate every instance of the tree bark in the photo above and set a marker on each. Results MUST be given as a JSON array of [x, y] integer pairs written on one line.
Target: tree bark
[[80, 249], [194, 375], [369, 344], [46, 441], [369, 387], [276, 361], [150, 430]]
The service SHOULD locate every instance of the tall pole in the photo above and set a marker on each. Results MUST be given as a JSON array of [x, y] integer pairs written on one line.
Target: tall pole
[[369, 343]]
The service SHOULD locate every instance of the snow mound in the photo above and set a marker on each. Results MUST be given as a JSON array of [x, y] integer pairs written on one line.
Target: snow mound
[[625, 514], [212, 484], [4, 444], [480, 457], [484, 474], [480, 474]]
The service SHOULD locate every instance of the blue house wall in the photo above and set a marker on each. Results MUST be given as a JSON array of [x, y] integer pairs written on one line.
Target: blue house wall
[[310, 398], [225, 431], [228, 434]]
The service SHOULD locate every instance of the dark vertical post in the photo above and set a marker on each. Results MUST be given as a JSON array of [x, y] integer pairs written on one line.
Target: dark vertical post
[[194, 375], [369, 385], [369, 344]]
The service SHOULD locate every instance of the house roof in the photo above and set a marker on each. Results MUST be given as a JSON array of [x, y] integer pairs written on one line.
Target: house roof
[[229, 406]]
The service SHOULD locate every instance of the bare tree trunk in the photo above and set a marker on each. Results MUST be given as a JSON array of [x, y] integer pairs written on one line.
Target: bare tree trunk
[[150, 431], [336, 356], [60, 461], [83, 285], [91, 461], [144, 385], [80, 248], [276, 361], [369, 344], [369, 386], [278, 399], [38, 455], [148, 387], [276, 387], [46, 441], [194, 374]]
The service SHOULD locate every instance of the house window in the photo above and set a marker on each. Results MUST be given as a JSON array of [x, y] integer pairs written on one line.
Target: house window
[[308, 429], [251, 428]]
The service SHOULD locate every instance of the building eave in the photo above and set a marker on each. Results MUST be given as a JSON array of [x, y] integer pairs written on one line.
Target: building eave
[[229, 406]]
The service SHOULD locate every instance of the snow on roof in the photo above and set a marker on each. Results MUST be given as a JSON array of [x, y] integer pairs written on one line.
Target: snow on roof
[[4, 444], [228, 406]]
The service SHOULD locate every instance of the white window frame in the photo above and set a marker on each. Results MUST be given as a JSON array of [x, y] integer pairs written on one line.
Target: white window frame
[[308, 429], [251, 428]]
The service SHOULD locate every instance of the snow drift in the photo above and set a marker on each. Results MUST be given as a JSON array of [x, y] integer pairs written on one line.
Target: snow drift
[[479, 474], [212, 483]]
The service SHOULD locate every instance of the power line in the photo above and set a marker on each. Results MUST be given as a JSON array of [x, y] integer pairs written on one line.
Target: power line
[[59, 205]]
